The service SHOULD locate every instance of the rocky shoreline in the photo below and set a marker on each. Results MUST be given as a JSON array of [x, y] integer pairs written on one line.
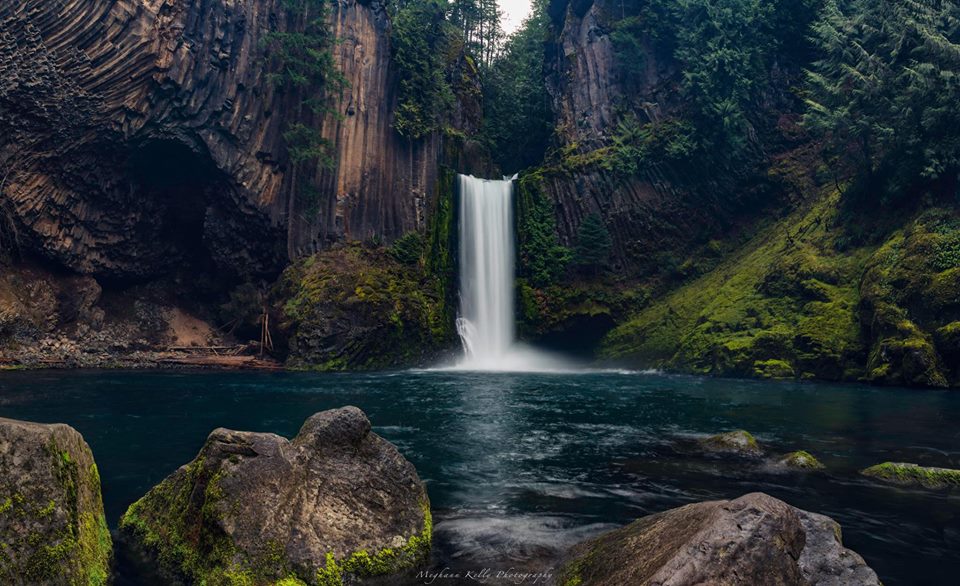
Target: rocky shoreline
[[338, 504]]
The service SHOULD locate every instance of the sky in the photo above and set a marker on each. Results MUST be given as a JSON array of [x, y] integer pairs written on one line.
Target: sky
[[514, 11]]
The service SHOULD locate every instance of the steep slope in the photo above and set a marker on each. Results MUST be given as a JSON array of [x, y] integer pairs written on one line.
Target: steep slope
[[809, 298]]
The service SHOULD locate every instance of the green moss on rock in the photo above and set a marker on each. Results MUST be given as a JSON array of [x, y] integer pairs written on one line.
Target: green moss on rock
[[222, 520], [52, 526], [356, 307], [786, 298], [905, 474], [800, 295], [776, 369], [739, 442], [800, 460]]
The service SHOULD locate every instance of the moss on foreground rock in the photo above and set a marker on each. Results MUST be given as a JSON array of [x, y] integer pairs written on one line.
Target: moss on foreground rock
[[905, 474], [52, 527], [337, 504]]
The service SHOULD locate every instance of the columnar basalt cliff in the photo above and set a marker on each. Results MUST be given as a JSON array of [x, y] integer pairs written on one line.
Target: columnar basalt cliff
[[600, 95], [590, 97], [138, 134], [134, 130], [143, 143]]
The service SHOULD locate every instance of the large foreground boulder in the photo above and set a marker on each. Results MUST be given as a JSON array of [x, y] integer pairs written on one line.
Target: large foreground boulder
[[755, 539], [335, 504], [52, 528]]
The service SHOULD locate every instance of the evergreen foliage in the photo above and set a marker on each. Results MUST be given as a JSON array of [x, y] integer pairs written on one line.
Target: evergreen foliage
[[888, 82], [422, 40], [593, 244], [726, 49], [542, 258], [518, 118], [408, 249], [301, 61], [479, 23]]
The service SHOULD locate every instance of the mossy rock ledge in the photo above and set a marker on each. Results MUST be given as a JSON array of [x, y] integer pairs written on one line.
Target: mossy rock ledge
[[52, 528], [336, 505], [755, 539], [905, 474]]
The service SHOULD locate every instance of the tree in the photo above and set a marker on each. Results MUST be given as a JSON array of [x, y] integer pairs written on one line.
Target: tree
[[888, 82], [518, 118], [421, 39], [301, 63], [593, 244], [725, 50]]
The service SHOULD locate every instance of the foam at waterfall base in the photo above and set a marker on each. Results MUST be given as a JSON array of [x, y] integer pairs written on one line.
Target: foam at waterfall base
[[517, 358]]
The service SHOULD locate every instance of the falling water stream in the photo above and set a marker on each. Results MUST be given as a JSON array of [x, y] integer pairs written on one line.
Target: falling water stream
[[486, 323]]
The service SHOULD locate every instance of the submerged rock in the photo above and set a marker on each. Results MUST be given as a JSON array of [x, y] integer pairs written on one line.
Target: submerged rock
[[52, 528], [739, 442], [800, 460], [755, 539], [335, 503], [904, 474]]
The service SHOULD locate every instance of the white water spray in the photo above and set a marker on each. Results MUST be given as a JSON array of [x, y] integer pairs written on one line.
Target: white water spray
[[486, 322]]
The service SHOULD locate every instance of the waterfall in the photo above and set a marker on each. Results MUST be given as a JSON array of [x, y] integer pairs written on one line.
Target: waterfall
[[486, 322]]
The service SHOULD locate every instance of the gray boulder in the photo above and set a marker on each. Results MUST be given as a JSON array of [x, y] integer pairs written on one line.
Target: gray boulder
[[335, 504], [52, 528], [755, 539]]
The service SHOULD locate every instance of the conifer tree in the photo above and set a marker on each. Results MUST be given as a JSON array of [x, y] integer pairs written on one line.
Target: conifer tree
[[888, 82], [593, 244]]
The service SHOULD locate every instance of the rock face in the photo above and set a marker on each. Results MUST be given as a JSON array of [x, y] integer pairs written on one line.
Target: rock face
[[588, 89], [336, 502], [755, 539], [52, 528], [355, 307], [596, 95], [138, 134]]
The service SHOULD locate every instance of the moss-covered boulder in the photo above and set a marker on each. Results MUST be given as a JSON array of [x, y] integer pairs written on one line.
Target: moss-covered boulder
[[800, 460], [337, 504], [755, 539], [735, 443], [904, 474], [52, 528], [360, 307]]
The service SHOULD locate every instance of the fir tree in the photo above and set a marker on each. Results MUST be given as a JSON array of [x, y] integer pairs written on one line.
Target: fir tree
[[593, 244], [888, 82]]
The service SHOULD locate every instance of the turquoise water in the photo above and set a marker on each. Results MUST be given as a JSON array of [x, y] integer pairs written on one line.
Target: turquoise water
[[519, 466]]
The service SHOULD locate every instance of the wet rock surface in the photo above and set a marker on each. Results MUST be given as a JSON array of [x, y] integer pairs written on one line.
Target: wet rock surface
[[734, 443], [755, 539], [336, 502], [913, 475]]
